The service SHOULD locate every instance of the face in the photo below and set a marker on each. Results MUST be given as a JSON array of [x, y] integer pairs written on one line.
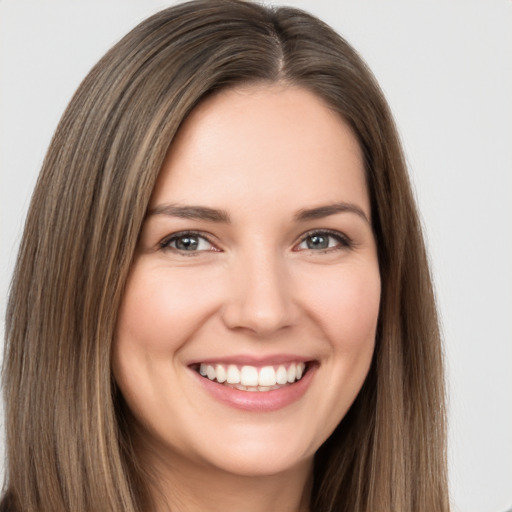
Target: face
[[248, 322]]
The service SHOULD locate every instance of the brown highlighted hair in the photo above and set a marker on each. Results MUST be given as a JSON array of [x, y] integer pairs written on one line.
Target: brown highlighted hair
[[68, 442]]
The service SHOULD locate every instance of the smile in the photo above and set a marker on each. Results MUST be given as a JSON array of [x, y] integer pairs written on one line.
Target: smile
[[277, 382], [253, 378]]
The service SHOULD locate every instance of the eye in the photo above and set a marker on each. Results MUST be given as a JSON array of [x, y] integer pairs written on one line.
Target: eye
[[322, 241], [187, 242]]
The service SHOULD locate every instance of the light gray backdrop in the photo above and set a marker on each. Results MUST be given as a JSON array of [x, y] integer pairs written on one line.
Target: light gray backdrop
[[446, 68]]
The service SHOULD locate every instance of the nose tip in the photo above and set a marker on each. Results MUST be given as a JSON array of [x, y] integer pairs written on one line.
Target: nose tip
[[258, 320], [260, 301]]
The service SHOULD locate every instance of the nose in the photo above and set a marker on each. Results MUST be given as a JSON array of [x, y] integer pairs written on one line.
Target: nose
[[260, 297]]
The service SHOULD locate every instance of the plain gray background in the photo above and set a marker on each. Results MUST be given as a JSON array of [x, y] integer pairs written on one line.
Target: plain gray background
[[446, 68]]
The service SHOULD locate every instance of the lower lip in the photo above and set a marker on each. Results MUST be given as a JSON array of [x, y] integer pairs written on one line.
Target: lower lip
[[260, 401]]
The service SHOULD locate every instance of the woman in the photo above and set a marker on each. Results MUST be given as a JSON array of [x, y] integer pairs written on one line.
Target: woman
[[222, 297]]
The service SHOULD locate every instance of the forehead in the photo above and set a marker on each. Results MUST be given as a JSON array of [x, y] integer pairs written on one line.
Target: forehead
[[261, 142]]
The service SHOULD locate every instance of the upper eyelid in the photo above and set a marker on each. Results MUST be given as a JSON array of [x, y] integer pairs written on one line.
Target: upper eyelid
[[321, 230], [329, 232]]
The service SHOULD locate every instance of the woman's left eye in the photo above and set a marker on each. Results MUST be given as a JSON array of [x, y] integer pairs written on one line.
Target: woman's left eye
[[187, 242], [323, 240]]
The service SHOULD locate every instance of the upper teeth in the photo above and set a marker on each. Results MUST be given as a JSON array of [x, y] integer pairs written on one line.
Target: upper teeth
[[252, 375]]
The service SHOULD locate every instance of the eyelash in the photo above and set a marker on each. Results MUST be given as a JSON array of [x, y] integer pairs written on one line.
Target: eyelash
[[165, 243], [343, 242]]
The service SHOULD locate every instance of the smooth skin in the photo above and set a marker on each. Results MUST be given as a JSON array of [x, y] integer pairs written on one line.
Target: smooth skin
[[268, 272]]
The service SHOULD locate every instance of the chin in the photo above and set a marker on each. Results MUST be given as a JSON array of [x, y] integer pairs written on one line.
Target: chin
[[261, 464], [260, 452]]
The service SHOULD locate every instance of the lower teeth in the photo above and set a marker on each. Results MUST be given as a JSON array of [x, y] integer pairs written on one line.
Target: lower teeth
[[241, 387]]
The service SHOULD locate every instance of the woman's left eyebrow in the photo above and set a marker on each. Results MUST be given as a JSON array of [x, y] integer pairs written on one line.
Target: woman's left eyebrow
[[330, 209], [191, 212]]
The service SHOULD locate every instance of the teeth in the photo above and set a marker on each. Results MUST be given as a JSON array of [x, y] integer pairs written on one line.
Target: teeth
[[281, 375], [221, 373], [233, 375], [251, 378], [292, 373], [267, 376]]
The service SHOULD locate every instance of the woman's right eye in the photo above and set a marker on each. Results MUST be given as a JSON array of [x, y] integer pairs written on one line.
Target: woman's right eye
[[187, 242]]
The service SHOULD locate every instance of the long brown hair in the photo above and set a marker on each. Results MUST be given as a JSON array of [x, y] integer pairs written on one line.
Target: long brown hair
[[68, 444]]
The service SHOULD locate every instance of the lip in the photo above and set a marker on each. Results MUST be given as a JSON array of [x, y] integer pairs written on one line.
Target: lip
[[257, 361], [258, 401]]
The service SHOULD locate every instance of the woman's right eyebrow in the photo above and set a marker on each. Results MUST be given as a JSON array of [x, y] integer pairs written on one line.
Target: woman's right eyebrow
[[191, 212]]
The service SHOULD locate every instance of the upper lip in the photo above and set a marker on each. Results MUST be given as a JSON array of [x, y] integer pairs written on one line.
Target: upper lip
[[253, 360]]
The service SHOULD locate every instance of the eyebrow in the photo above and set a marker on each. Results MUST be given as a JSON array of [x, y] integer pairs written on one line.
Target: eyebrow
[[330, 209], [221, 216], [191, 212]]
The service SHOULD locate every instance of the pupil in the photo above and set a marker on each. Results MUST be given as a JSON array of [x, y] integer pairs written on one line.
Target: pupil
[[187, 243], [317, 242]]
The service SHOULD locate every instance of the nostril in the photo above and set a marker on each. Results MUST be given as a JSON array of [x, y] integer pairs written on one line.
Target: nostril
[[261, 321]]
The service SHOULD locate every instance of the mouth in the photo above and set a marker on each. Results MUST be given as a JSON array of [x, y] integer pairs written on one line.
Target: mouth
[[253, 378]]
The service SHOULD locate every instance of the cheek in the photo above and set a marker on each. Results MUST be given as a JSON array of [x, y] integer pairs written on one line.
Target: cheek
[[161, 310], [347, 307]]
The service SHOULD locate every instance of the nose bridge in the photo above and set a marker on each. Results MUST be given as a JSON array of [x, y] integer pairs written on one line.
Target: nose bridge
[[260, 298]]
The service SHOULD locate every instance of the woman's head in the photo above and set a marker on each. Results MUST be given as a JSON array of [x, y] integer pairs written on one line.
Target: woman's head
[[81, 237], [257, 257]]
